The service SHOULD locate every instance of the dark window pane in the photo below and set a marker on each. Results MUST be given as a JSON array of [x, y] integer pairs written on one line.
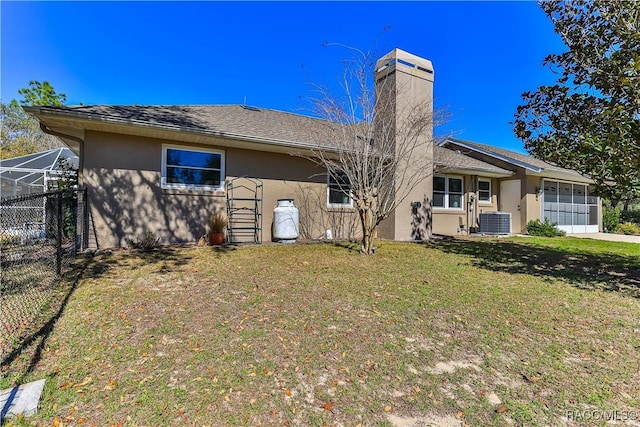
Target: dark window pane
[[593, 215], [341, 180], [337, 197], [339, 189], [193, 177], [196, 159], [438, 200], [550, 191], [439, 183], [565, 193], [484, 193], [455, 201], [579, 194], [592, 199], [455, 185]]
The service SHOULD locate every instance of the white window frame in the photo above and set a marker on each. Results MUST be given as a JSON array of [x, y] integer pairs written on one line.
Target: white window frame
[[447, 193], [337, 205], [481, 201], [165, 184]]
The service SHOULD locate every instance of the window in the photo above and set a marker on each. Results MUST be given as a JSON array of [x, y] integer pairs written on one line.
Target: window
[[338, 190], [447, 192], [570, 204], [192, 168], [484, 190]]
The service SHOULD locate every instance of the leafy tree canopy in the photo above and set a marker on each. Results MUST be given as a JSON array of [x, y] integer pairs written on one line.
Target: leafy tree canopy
[[41, 93], [590, 119], [21, 133]]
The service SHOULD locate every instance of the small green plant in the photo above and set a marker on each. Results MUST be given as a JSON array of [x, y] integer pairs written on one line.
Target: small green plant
[[628, 228], [610, 217], [544, 229], [218, 222], [148, 243]]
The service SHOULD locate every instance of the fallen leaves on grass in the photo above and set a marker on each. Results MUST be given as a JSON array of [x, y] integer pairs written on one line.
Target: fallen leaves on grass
[[328, 406]]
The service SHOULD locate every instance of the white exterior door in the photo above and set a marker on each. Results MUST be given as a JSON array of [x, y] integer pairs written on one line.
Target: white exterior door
[[510, 202]]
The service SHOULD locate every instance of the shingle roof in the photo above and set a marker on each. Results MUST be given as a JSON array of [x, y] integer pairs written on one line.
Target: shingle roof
[[261, 124], [454, 159], [228, 119], [513, 157]]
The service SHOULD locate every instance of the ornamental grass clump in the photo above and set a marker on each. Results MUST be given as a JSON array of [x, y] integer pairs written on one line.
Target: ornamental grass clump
[[218, 222]]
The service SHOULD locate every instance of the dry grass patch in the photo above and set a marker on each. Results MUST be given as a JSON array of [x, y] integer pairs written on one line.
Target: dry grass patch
[[318, 334]]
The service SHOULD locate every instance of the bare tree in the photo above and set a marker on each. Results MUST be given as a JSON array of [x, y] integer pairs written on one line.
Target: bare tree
[[381, 147]]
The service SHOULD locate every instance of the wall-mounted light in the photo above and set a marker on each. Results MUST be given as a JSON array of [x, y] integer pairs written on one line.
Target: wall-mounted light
[[539, 192]]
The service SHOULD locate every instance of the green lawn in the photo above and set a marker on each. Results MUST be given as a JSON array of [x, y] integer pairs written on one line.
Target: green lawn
[[480, 332]]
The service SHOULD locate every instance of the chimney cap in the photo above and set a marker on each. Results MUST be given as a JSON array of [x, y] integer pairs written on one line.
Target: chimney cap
[[401, 60]]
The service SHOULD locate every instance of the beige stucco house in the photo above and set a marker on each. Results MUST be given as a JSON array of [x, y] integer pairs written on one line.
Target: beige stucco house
[[517, 184], [166, 168]]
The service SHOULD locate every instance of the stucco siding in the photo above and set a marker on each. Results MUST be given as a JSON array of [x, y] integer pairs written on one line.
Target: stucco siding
[[447, 221], [533, 206], [452, 222], [123, 174]]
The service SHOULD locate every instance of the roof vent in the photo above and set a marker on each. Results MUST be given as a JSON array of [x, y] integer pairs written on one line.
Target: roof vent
[[249, 107]]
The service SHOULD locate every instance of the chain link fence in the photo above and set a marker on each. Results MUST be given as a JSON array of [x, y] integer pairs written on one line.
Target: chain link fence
[[40, 234]]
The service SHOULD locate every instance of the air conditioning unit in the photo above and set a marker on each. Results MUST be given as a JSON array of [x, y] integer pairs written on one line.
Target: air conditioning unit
[[495, 223]]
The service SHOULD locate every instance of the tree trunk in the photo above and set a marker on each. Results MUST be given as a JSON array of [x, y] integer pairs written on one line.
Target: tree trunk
[[368, 228]]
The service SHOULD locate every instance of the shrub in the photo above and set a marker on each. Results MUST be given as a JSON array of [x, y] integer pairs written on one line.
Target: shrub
[[610, 217], [148, 243], [628, 228], [630, 216], [545, 229]]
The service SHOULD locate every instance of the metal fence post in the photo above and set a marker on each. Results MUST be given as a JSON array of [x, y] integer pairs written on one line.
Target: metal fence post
[[85, 222], [74, 211], [59, 236]]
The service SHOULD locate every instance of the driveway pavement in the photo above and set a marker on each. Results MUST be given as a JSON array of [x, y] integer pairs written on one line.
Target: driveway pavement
[[608, 236]]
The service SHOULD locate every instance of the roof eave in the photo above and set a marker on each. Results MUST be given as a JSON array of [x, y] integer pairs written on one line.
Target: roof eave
[[441, 167], [497, 156], [561, 175], [295, 145]]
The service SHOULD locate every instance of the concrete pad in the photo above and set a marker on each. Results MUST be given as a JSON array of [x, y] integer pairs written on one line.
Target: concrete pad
[[21, 399], [607, 236]]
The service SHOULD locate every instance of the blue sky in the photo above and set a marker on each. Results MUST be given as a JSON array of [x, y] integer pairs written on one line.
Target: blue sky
[[485, 54]]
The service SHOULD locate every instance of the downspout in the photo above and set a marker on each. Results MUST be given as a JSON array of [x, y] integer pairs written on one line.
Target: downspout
[[470, 201], [474, 205], [476, 215]]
